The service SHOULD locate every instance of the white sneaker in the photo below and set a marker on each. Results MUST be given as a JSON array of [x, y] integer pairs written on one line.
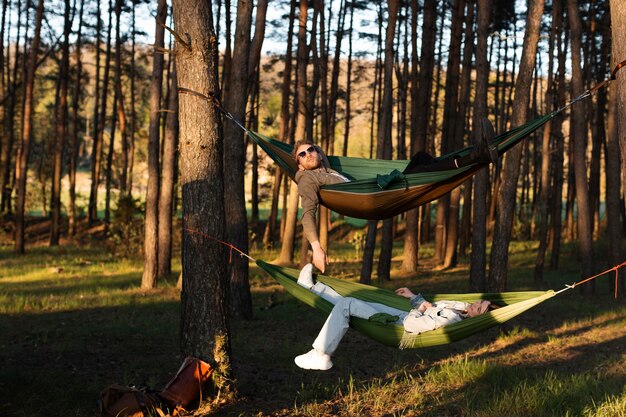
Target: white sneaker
[[306, 276], [314, 360]]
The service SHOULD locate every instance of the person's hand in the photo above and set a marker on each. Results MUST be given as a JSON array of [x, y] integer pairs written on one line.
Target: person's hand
[[404, 292], [320, 260], [424, 306]]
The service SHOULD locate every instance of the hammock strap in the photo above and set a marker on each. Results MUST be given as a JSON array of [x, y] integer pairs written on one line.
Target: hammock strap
[[232, 247], [595, 88], [616, 268]]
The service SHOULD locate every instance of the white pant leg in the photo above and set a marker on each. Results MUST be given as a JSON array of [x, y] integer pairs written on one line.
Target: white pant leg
[[329, 294], [338, 321]]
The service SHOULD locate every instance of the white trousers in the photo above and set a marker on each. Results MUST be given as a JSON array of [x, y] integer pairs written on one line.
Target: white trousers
[[338, 320]]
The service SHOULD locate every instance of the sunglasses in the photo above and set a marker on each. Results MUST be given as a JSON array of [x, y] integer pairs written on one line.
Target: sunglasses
[[309, 150]]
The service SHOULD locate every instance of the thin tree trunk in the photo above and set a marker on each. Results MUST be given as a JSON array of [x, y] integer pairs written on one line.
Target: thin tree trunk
[[96, 150], [168, 181], [151, 250], [544, 178], [27, 120], [616, 142], [497, 280], [75, 141], [578, 130], [384, 134], [61, 131], [234, 164], [478, 262], [287, 248], [283, 134]]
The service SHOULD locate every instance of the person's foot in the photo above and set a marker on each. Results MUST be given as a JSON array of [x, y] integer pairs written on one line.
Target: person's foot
[[306, 276], [314, 360], [487, 153]]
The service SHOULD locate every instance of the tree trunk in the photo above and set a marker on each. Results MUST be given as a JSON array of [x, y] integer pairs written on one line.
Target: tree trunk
[[168, 181], [450, 118], [150, 256], [481, 181], [616, 141], [452, 235], [234, 164], [284, 134], [27, 120], [287, 249], [544, 178], [205, 329], [497, 280], [578, 130], [96, 149], [75, 141], [61, 131], [121, 113], [384, 134]]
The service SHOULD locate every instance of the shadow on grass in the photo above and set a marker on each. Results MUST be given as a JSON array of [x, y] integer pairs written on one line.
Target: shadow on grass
[[55, 364]]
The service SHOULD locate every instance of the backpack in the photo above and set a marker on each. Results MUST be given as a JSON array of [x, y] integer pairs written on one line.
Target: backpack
[[129, 401]]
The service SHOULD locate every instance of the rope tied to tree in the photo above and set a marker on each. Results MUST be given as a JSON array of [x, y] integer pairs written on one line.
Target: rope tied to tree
[[593, 89], [615, 268], [232, 247]]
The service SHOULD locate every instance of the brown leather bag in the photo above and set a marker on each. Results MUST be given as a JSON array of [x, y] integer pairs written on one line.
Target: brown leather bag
[[124, 401], [188, 383]]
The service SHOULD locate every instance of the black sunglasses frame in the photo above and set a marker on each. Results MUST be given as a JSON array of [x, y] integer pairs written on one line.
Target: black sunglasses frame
[[308, 150]]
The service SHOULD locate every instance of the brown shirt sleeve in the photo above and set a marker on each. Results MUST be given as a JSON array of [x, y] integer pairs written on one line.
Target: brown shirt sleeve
[[309, 188]]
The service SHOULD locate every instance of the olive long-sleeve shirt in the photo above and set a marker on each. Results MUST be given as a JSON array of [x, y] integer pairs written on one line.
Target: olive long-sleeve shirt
[[309, 183]]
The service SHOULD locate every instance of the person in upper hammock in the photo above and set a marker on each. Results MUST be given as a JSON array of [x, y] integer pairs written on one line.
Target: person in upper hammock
[[314, 171], [424, 316]]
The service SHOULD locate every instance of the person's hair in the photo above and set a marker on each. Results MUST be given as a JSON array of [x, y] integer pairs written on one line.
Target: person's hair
[[299, 143]]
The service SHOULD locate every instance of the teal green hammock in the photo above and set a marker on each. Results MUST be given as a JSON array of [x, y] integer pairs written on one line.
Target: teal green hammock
[[511, 304], [363, 198]]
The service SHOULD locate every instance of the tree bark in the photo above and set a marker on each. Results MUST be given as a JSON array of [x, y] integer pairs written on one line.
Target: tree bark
[[234, 164], [96, 149], [384, 133], [205, 329], [150, 256], [497, 280], [27, 120], [577, 133], [616, 140], [287, 248], [421, 92], [61, 131], [481, 181], [168, 181]]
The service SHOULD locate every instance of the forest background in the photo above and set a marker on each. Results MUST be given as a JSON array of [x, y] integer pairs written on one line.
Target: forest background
[[91, 141]]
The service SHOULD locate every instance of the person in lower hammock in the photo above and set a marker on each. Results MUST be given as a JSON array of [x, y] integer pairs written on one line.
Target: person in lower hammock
[[424, 316]]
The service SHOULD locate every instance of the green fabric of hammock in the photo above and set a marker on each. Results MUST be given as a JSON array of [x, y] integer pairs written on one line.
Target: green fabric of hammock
[[364, 198], [512, 304]]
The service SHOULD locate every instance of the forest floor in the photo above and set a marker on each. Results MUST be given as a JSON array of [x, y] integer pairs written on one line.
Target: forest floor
[[73, 320]]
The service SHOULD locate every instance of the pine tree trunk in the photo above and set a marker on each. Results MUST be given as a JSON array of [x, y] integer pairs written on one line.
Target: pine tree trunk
[[96, 149], [497, 280], [150, 256], [616, 142], [234, 164], [168, 181], [204, 299], [384, 134], [27, 120], [287, 249], [75, 141], [544, 176], [578, 130], [61, 131]]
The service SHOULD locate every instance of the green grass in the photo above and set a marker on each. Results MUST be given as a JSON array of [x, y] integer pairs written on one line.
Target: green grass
[[74, 320]]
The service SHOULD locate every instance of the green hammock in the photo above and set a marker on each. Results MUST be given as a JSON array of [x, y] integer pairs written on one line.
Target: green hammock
[[363, 198], [512, 304]]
